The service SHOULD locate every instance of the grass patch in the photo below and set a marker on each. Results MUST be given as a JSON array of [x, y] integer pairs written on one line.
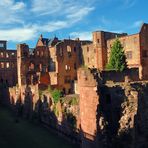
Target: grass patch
[[27, 135]]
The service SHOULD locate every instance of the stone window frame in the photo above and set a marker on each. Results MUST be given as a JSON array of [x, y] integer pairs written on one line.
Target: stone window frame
[[69, 49], [1, 54], [12, 54], [38, 53], [74, 49], [98, 40], [67, 79], [7, 55], [32, 66], [2, 65], [13, 65], [7, 64], [87, 49], [67, 68], [129, 55]]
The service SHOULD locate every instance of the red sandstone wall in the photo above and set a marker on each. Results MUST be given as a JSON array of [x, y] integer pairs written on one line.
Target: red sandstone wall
[[88, 103], [67, 56], [8, 68], [144, 50]]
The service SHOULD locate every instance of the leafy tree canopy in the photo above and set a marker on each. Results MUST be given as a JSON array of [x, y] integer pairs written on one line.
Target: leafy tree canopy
[[117, 60]]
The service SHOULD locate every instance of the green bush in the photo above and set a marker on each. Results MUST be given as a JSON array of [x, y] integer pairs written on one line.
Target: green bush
[[56, 95], [73, 101], [55, 110]]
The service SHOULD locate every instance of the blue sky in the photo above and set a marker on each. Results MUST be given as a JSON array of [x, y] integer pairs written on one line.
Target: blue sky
[[22, 21]]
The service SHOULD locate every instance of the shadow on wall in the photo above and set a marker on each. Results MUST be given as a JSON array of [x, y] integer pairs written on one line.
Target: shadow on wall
[[122, 116], [4, 93], [42, 112], [141, 118], [109, 115], [117, 76], [122, 119]]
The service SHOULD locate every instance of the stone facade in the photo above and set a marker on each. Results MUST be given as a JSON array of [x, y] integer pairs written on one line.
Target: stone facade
[[67, 57], [112, 114], [8, 68], [96, 54], [55, 62], [52, 62]]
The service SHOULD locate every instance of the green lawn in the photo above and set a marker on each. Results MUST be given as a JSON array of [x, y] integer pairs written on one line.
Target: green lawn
[[27, 135]]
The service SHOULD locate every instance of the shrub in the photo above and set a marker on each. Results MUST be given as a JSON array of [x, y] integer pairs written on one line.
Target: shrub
[[56, 95], [73, 101]]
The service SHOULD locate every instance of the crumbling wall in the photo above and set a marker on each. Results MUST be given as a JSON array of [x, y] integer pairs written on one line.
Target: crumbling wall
[[141, 119], [118, 111]]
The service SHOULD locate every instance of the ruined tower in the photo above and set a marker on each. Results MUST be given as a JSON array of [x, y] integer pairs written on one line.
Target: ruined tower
[[22, 55]]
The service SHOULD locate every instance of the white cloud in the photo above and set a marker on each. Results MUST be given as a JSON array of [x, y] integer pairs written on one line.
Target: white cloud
[[18, 6], [18, 34], [22, 24], [53, 26], [137, 24], [6, 2], [44, 7], [78, 15], [31, 31], [82, 35], [10, 11], [69, 8]]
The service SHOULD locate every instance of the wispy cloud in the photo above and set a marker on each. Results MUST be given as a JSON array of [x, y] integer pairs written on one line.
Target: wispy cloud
[[10, 11], [18, 34], [44, 7], [18, 6], [137, 24], [78, 15], [105, 21], [43, 16], [29, 32], [128, 3], [60, 7], [81, 35]]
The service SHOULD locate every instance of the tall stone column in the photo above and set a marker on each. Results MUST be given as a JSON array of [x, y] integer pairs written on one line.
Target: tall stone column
[[88, 107]]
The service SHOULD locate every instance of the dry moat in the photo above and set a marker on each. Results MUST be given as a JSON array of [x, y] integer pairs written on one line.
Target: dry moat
[[26, 134]]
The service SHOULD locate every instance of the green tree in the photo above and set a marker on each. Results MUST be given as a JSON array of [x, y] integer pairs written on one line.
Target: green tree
[[117, 60], [56, 94]]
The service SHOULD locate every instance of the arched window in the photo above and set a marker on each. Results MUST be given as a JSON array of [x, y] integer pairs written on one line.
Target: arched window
[[68, 49]]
